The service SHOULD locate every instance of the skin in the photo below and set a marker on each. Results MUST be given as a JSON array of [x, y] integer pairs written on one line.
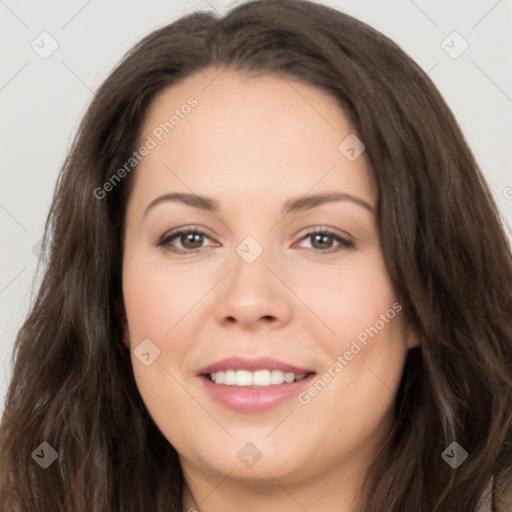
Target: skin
[[252, 144]]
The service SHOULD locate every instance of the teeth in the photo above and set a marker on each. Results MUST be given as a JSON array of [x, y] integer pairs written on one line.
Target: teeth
[[260, 378]]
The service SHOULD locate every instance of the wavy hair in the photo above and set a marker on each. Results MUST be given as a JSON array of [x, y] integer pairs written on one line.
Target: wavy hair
[[441, 235]]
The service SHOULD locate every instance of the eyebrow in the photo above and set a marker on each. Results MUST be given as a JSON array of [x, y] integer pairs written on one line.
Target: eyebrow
[[290, 206]]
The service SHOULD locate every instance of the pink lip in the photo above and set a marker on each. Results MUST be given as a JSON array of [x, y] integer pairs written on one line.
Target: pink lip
[[248, 399], [253, 399], [261, 363]]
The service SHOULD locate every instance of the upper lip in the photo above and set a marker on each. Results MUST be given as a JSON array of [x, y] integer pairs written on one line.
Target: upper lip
[[260, 363]]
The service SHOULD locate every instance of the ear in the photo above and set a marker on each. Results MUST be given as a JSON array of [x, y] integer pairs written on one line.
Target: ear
[[413, 336], [126, 335]]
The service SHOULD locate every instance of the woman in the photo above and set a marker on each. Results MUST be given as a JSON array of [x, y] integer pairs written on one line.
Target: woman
[[250, 370]]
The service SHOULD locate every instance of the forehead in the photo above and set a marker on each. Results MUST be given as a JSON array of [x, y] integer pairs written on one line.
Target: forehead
[[261, 137]]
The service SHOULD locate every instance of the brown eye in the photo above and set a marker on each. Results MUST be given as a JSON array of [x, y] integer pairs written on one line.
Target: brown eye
[[321, 240], [190, 240]]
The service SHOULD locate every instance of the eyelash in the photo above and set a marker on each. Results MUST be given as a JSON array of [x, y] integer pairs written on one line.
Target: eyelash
[[166, 239]]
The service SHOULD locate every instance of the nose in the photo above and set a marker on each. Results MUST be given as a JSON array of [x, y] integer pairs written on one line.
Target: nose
[[254, 295]]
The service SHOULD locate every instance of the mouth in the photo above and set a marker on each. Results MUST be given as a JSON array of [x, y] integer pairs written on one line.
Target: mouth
[[255, 379], [253, 385]]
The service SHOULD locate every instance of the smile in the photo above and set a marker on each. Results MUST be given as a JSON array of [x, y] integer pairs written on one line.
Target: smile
[[253, 385], [259, 378]]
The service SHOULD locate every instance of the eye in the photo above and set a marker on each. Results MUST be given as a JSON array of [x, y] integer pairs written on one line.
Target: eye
[[320, 236], [191, 240]]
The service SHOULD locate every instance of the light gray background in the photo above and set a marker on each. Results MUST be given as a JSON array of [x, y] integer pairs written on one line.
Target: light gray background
[[42, 100]]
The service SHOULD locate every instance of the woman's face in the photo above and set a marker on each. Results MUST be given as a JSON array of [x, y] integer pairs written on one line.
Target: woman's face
[[260, 283]]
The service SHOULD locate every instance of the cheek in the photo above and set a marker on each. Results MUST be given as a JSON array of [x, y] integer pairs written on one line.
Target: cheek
[[157, 297], [345, 299], [361, 328], [156, 301]]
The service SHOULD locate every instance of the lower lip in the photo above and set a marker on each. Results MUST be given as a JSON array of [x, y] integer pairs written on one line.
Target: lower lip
[[247, 399]]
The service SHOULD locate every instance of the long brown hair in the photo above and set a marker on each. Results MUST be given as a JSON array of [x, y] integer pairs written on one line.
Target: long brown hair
[[441, 235]]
